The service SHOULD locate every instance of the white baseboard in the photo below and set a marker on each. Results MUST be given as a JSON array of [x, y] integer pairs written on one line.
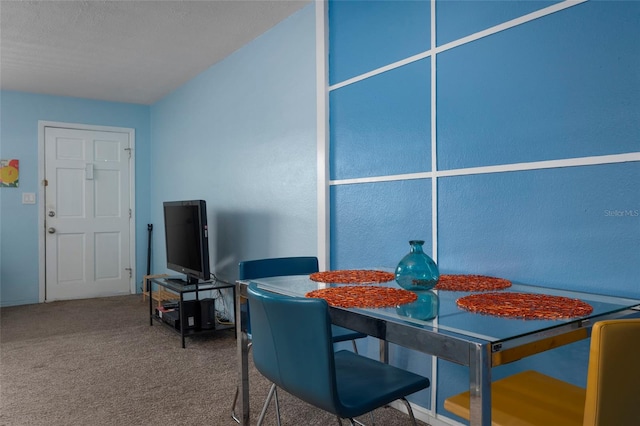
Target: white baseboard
[[425, 415]]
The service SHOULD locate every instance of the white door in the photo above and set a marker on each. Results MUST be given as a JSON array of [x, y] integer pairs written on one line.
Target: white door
[[87, 213]]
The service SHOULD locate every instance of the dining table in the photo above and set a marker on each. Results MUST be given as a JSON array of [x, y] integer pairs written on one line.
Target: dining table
[[477, 341]]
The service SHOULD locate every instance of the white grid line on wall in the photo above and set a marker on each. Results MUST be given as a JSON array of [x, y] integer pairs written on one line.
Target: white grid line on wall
[[456, 43], [500, 168], [434, 197], [511, 167]]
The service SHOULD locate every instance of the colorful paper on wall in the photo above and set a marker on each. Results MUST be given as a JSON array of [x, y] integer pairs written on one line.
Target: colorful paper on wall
[[9, 173]]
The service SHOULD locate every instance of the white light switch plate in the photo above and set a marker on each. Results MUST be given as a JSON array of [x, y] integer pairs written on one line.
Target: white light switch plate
[[28, 198]]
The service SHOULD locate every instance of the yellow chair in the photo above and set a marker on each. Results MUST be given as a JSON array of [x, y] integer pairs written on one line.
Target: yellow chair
[[612, 396]]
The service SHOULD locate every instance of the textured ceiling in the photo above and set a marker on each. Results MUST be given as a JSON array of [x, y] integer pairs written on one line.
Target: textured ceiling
[[124, 51]]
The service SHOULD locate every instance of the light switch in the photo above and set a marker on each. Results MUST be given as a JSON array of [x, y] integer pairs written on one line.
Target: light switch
[[28, 198]]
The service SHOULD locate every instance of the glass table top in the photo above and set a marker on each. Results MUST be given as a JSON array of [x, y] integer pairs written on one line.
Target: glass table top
[[452, 319]]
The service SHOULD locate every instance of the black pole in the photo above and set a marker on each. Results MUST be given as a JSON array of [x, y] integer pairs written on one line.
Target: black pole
[[150, 229]]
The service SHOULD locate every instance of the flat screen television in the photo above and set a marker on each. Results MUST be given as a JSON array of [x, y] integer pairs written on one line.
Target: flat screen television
[[187, 239]]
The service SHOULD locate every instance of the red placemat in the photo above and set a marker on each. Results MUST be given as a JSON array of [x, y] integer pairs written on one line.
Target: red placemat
[[352, 276], [524, 305], [359, 296], [471, 283]]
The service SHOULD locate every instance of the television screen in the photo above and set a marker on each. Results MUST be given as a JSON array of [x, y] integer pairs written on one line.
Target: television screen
[[186, 236]]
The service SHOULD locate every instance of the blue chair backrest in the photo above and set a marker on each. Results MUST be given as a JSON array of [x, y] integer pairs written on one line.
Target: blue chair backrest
[[274, 267], [277, 266], [292, 345]]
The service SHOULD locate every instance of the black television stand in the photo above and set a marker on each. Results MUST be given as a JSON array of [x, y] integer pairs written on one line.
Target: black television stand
[[186, 323]]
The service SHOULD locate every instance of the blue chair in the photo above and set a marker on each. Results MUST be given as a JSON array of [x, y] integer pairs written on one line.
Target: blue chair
[[283, 266], [292, 348]]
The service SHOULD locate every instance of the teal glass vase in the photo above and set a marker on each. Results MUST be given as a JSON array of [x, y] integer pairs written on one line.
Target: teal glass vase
[[417, 271]]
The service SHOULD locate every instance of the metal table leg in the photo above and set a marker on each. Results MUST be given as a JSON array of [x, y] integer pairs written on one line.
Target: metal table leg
[[243, 359], [182, 317], [480, 385]]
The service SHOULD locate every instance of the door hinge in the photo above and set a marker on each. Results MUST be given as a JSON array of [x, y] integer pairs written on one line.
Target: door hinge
[[129, 150], [130, 272], [130, 213], [45, 182]]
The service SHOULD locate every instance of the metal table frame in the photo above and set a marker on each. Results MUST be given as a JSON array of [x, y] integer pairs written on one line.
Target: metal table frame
[[468, 349]]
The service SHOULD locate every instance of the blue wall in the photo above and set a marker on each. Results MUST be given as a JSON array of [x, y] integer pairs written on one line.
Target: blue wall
[[523, 143], [20, 113], [242, 136]]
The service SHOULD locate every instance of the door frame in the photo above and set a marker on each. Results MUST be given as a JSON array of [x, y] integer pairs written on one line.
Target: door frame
[[41, 210]]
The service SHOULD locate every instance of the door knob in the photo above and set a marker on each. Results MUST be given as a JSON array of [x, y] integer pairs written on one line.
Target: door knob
[[52, 213], [51, 230]]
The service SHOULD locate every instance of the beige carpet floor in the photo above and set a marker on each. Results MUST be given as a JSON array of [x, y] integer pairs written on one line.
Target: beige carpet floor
[[98, 362]]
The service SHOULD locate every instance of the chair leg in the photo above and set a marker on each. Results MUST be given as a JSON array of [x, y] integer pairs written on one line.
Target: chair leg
[[275, 393], [355, 347], [413, 419], [233, 406], [272, 391]]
